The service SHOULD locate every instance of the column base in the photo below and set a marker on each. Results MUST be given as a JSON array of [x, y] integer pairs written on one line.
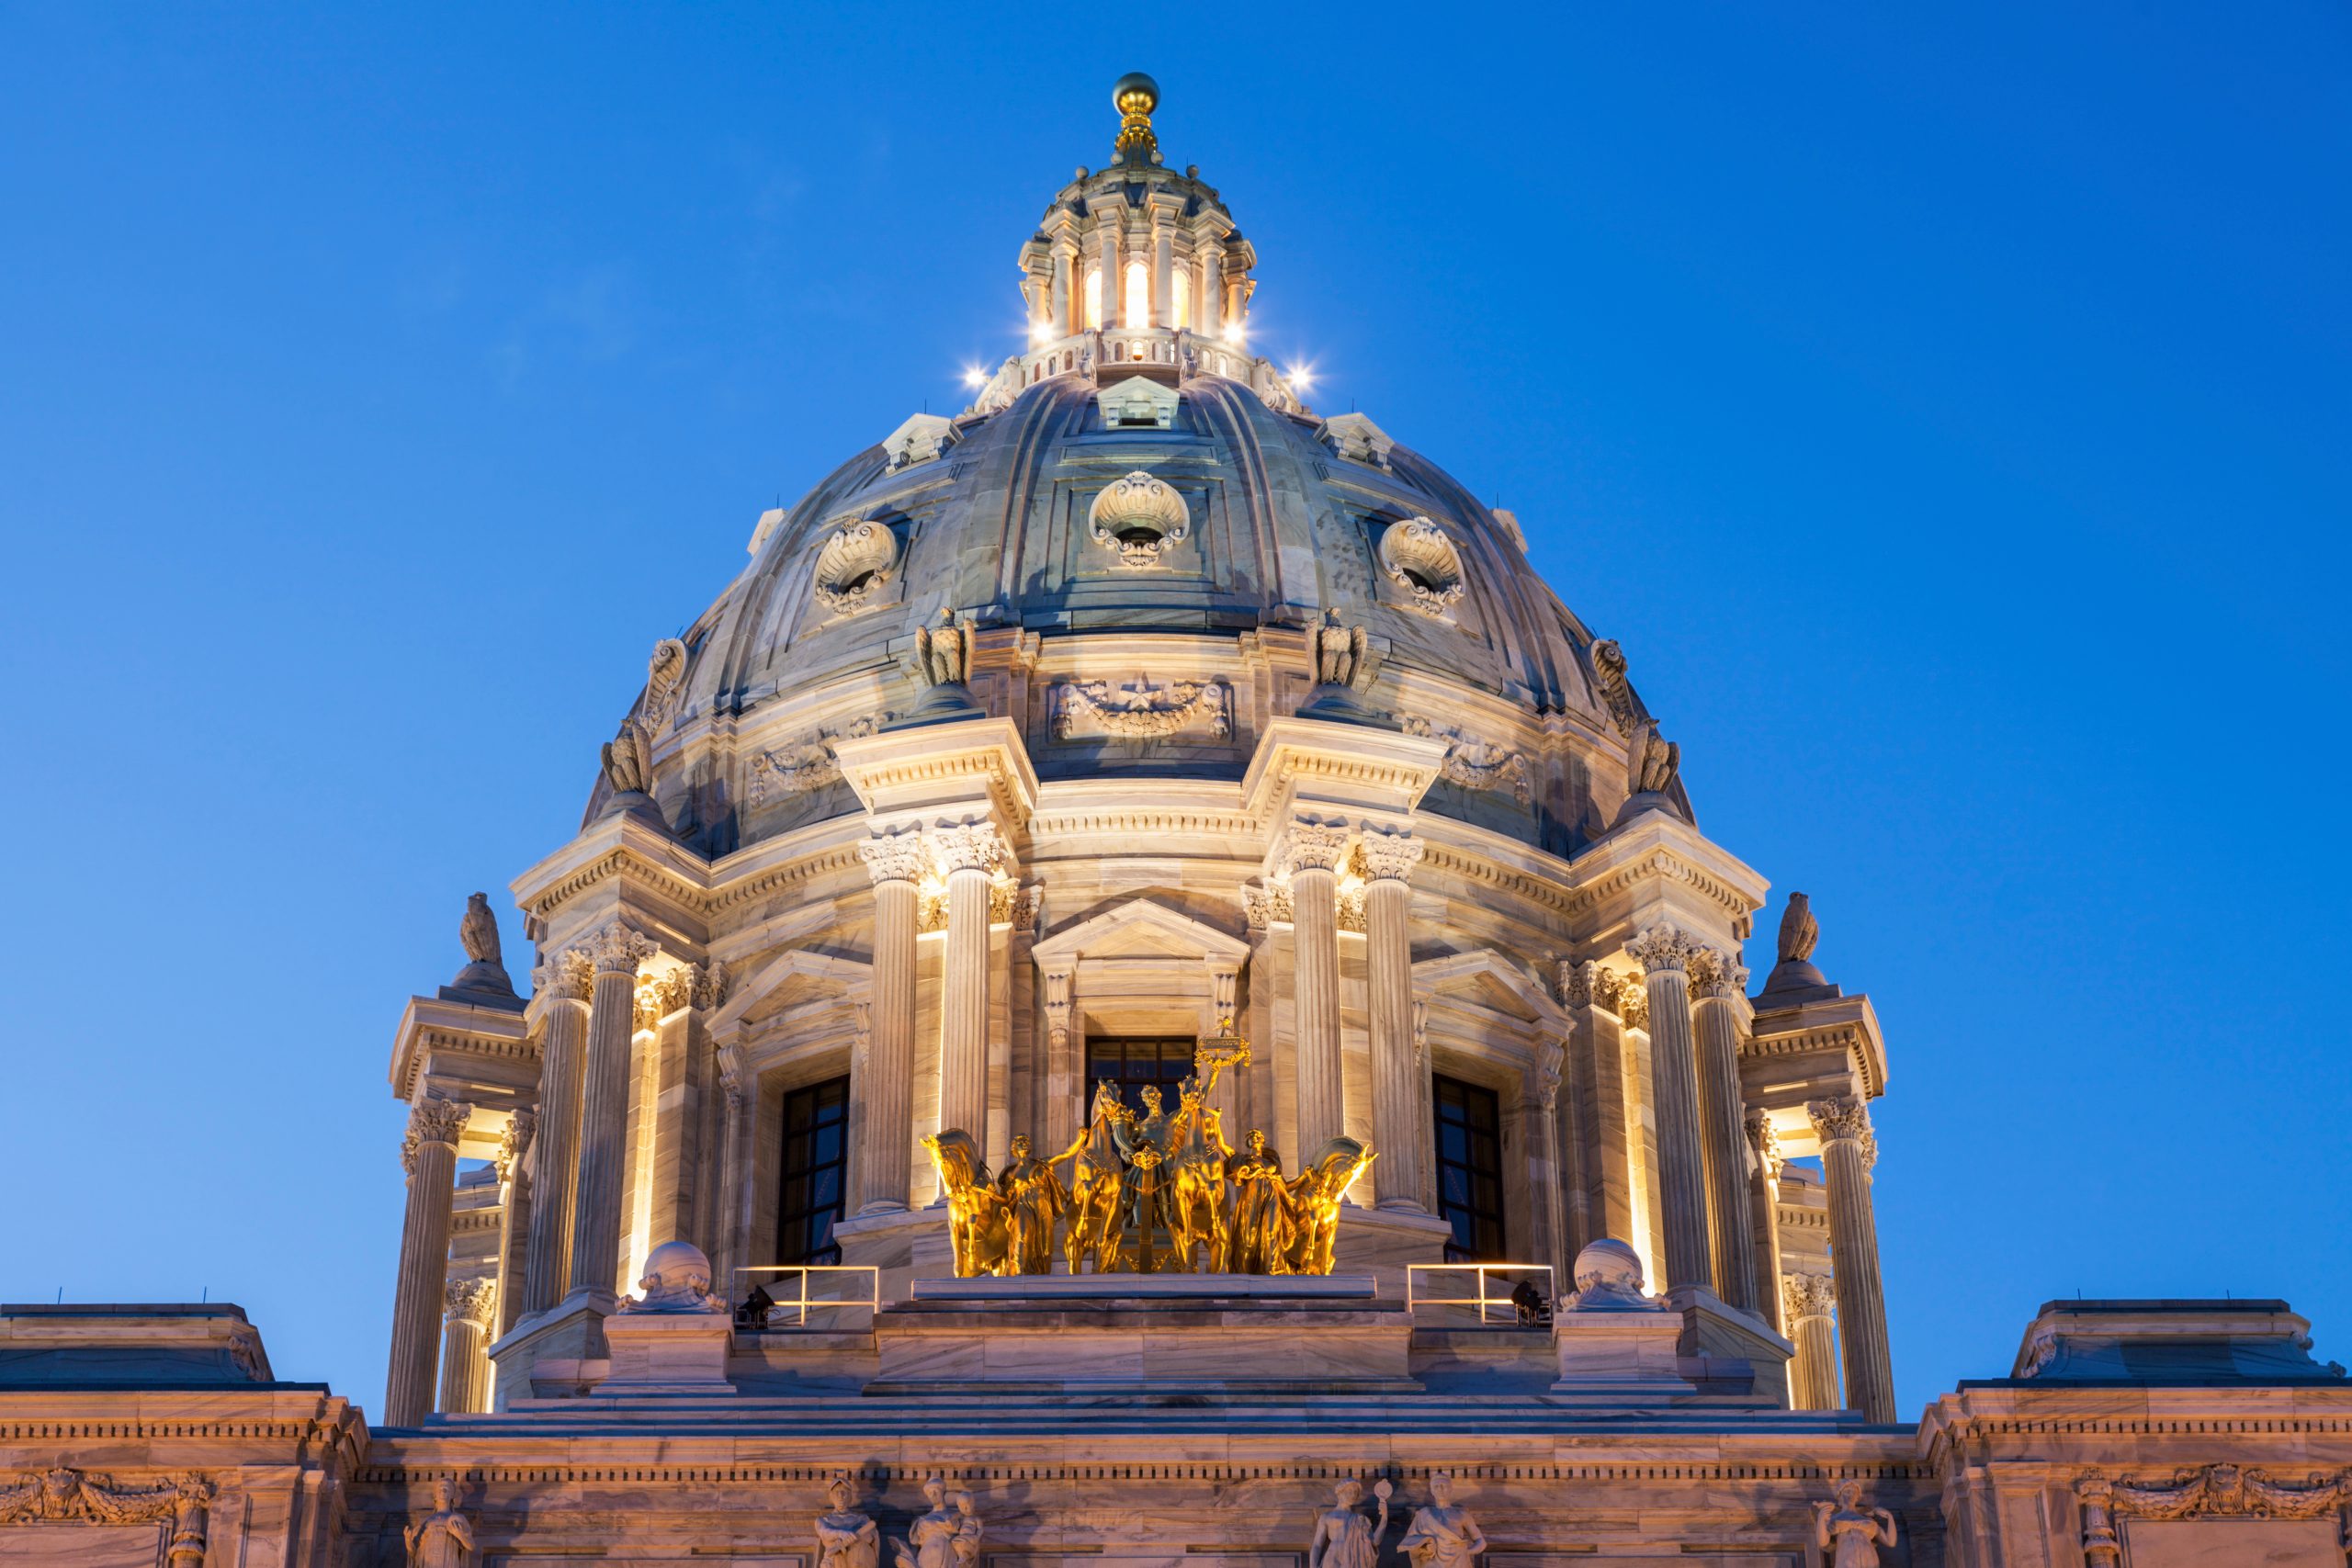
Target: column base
[[900, 1244], [1687, 1348]]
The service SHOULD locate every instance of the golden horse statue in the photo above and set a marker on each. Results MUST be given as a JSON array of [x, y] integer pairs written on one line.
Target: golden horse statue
[[979, 1220], [1092, 1213], [1197, 1156], [1312, 1228]]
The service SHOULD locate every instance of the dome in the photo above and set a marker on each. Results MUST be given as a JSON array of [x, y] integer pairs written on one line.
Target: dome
[[1140, 525]]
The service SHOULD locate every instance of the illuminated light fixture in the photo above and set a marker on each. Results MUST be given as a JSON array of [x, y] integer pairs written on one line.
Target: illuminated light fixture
[[1235, 333], [1301, 376], [1040, 331], [974, 377]]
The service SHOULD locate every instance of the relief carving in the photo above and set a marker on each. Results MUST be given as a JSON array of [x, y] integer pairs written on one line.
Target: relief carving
[[1138, 515], [1141, 711], [1420, 557], [1475, 764], [1608, 675], [806, 763], [856, 559]]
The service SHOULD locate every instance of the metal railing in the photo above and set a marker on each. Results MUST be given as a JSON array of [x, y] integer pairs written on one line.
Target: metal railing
[[798, 1303], [1417, 1294]]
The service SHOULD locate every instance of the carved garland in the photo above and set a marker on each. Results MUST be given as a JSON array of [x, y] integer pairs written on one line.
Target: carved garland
[[1475, 764], [69, 1496], [1144, 712], [2214, 1491]]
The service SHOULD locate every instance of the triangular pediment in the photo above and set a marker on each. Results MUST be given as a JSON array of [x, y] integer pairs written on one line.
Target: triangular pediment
[[789, 980], [1487, 980], [1141, 929]]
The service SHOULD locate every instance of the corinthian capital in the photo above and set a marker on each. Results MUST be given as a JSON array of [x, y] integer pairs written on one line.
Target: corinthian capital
[[515, 1140], [1390, 852], [565, 974], [1717, 975], [1766, 1142], [1843, 1118], [468, 1301], [432, 1121], [1664, 947], [1807, 1295], [968, 846], [1311, 846], [618, 948], [893, 857]]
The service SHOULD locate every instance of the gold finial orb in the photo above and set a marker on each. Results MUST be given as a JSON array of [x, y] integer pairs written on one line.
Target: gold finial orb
[[1135, 95]]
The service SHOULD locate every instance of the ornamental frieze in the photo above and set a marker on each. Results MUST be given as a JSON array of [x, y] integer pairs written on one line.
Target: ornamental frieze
[[1474, 764], [1141, 710], [71, 1497], [804, 764]]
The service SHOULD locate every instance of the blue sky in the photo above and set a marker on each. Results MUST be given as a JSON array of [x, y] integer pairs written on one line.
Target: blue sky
[[1946, 411]]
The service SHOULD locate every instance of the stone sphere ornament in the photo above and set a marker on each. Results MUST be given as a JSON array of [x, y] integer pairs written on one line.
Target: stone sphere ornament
[[1607, 1275], [676, 1279]]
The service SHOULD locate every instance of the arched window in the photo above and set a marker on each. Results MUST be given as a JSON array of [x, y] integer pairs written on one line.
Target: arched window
[[1094, 298], [1138, 301]]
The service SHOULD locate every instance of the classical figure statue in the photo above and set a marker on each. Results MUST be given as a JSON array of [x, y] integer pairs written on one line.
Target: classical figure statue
[[1096, 1177], [1651, 760], [1798, 929], [1197, 1157], [943, 652], [1343, 656], [629, 759], [845, 1537], [1258, 1210], [478, 931], [1033, 1199], [967, 1532], [1343, 1537], [1849, 1534], [1145, 1193], [931, 1538], [980, 1224], [443, 1538], [1442, 1536]]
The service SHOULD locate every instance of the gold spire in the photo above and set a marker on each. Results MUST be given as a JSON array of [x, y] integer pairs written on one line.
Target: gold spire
[[1137, 96]]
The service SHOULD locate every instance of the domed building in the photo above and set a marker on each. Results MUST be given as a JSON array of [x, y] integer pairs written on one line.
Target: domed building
[[1137, 963]]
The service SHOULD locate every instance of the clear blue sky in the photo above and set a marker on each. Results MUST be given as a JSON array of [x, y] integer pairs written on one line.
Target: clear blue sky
[[1948, 414]]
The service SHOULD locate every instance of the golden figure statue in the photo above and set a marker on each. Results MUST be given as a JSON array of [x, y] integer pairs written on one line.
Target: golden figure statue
[[1095, 1177], [1146, 1193], [1314, 1228], [1257, 1212], [1034, 1199], [979, 1223]]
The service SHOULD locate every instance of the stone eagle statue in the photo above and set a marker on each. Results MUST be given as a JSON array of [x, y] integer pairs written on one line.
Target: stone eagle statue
[[1652, 761], [943, 653], [1343, 654], [1798, 929], [629, 759], [478, 931]]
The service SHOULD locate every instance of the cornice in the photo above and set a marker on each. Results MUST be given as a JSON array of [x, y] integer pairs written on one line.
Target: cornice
[[1851, 1028], [429, 1024]]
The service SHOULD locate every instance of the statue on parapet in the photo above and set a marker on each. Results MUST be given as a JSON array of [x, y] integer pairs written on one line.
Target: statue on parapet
[[1442, 1535], [1343, 1537], [1849, 1534], [845, 1537], [444, 1537], [931, 1536]]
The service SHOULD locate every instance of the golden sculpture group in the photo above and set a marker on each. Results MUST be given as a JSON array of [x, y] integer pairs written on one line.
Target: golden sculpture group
[[1135, 1178]]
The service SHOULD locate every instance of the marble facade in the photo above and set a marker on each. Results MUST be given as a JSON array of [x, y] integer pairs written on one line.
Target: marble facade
[[1137, 706]]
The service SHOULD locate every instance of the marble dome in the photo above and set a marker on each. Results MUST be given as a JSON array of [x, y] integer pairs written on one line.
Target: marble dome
[[1245, 519]]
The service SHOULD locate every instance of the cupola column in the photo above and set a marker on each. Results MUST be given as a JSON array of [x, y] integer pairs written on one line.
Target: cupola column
[[467, 1305], [1806, 1302], [1720, 982], [970, 853], [1106, 231], [555, 1163], [1309, 856], [1065, 316], [1398, 1131], [1764, 1215], [1848, 1152], [429, 1155], [514, 1182], [886, 1095], [616, 950], [1663, 953], [1209, 258]]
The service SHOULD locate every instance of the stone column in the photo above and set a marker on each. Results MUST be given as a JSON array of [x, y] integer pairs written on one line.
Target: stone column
[[1163, 275], [1806, 1301], [467, 1308], [970, 853], [1719, 982], [1310, 854], [1115, 280], [1597, 1084], [1398, 1132], [727, 1239], [888, 1133], [1551, 1204], [1764, 1214], [616, 950], [1066, 307], [1848, 1152], [1663, 951], [555, 1163], [1210, 256], [513, 1214], [1064, 1094], [429, 1154]]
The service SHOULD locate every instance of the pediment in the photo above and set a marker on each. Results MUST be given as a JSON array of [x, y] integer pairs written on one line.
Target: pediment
[[1487, 980], [789, 980], [1137, 403], [1141, 929]]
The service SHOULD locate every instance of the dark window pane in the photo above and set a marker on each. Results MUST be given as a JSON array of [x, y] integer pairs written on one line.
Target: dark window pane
[[814, 1168], [1469, 1167]]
